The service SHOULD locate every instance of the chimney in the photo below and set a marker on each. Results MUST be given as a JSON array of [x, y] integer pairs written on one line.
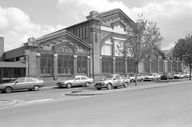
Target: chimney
[[93, 15], [1, 48]]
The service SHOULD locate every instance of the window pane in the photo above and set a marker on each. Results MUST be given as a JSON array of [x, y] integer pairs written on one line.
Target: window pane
[[82, 64], [107, 65], [107, 50], [47, 63], [65, 64]]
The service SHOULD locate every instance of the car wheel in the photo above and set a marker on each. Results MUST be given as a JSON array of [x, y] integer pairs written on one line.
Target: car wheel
[[36, 88], [87, 84], [8, 89], [115, 87], [109, 86], [126, 84], [68, 85], [98, 88]]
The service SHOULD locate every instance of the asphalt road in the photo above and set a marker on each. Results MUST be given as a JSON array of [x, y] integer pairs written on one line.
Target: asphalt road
[[158, 107]]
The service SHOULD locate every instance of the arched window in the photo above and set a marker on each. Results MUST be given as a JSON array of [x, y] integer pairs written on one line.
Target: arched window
[[119, 48], [106, 49]]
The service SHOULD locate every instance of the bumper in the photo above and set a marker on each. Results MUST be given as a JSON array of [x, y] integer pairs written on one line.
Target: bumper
[[60, 84], [100, 85]]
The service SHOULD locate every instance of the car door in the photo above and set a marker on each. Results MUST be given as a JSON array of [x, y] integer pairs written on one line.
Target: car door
[[30, 82], [20, 83], [83, 80], [77, 81], [115, 81]]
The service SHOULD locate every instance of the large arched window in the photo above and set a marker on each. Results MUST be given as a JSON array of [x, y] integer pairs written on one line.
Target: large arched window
[[106, 49], [119, 48]]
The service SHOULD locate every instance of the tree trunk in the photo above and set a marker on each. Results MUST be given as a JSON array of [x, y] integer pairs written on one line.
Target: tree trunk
[[190, 72], [136, 71]]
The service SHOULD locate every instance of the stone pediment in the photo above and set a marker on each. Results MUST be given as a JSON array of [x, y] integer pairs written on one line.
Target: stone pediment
[[113, 19], [116, 17]]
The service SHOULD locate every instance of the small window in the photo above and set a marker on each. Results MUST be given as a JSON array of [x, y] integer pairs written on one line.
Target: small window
[[20, 80], [83, 78], [77, 78]]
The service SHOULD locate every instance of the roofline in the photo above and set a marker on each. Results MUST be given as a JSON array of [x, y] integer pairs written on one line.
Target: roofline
[[61, 32], [117, 10]]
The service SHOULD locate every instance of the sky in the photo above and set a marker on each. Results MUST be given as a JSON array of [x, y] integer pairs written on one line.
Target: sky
[[21, 19]]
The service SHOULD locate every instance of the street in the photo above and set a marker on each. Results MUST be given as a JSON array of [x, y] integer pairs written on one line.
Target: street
[[157, 107]]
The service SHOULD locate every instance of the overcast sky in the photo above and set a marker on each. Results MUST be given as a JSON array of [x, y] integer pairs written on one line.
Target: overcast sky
[[20, 19]]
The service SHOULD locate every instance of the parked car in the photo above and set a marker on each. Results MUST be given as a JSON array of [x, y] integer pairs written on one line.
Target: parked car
[[148, 77], [156, 76], [177, 75], [167, 76], [132, 77], [79, 80], [111, 81], [21, 84], [139, 77], [187, 75], [183, 75]]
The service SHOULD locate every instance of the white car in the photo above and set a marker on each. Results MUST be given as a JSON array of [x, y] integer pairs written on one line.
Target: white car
[[111, 81], [80, 80], [156, 76], [182, 75], [139, 77], [148, 77], [177, 76]]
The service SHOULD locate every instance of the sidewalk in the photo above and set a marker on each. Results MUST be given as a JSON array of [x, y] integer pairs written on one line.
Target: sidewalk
[[91, 91]]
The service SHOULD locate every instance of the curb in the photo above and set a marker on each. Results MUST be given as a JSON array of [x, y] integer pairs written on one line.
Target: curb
[[131, 88]]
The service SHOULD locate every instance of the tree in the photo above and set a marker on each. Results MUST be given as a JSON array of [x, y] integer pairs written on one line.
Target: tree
[[183, 51], [141, 40]]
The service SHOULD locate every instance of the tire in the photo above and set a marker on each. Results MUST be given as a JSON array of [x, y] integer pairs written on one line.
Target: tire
[[125, 84], [87, 84], [36, 88], [59, 85], [69, 85], [8, 89], [109, 86], [98, 88], [115, 87]]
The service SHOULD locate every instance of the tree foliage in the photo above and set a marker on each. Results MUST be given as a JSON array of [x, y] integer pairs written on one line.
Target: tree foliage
[[183, 51], [142, 39]]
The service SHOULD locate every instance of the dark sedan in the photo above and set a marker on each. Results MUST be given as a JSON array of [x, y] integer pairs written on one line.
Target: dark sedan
[[167, 76]]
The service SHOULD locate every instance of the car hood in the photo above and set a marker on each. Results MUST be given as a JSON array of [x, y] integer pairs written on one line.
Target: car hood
[[65, 80], [103, 81], [7, 84]]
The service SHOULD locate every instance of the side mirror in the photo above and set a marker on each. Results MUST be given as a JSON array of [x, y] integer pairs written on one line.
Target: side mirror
[[16, 82]]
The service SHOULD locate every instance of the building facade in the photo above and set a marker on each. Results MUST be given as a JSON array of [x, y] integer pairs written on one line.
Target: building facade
[[93, 47]]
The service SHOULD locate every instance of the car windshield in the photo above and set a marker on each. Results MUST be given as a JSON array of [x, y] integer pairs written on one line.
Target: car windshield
[[131, 75], [12, 80], [108, 77]]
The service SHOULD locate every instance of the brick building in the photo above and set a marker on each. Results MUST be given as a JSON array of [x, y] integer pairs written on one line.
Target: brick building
[[90, 47]]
